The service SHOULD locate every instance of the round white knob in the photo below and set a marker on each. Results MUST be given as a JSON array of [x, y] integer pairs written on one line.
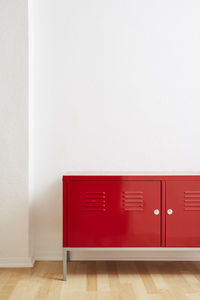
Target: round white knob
[[156, 212], [170, 211]]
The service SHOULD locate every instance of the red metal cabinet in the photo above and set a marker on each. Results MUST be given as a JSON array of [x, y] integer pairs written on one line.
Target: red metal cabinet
[[111, 213], [130, 211], [183, 214]]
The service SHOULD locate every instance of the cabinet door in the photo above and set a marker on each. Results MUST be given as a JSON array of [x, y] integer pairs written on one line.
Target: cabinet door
[[183, 222], [113, 214]]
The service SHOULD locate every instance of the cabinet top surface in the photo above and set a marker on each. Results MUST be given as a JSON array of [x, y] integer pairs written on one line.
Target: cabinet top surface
[[132, 177]]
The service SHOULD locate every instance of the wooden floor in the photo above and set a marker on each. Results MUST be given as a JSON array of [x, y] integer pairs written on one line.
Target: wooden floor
[[103, 280]]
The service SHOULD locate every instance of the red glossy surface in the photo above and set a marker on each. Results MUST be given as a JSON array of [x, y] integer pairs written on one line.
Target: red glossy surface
[[113, 214], [183, 226]]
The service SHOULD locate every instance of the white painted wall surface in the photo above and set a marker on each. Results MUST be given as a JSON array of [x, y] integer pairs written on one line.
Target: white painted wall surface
[[14, 206], [115, 88]]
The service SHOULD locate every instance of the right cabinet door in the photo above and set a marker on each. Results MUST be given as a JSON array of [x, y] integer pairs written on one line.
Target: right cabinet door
[[183, 214]]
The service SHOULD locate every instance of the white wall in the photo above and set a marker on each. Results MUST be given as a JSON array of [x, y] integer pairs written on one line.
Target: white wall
[[14, 207], [114, 88]]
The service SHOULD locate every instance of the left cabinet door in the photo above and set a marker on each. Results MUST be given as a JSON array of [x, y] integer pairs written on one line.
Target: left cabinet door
[[113, 214]]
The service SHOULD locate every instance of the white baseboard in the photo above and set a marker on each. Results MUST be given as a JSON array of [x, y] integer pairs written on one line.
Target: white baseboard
[[17, 262], [48, 255], [46, 258], [168, 255]]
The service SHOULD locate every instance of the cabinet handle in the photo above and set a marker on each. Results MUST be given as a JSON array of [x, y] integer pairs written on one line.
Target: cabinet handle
[[170, 211], [156, 212]]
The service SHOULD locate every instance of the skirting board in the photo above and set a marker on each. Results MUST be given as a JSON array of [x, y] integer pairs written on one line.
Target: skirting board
[[17, 262], [156, 255], [140, 255]]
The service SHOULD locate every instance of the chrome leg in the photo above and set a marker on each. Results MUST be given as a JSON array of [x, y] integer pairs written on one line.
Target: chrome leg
[[65, 264]]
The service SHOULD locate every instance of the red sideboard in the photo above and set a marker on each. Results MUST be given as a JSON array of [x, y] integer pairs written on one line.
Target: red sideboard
[[111, 212]]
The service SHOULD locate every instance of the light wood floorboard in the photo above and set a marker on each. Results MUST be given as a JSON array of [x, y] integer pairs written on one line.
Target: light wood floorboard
[[103, 280]]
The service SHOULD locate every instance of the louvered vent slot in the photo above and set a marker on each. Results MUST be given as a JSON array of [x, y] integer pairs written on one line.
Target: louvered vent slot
[[95, 201], [192, 200], [132, 201]]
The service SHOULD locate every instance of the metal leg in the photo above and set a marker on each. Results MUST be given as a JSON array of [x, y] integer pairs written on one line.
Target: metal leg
[[68, 257], [65, 264]]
